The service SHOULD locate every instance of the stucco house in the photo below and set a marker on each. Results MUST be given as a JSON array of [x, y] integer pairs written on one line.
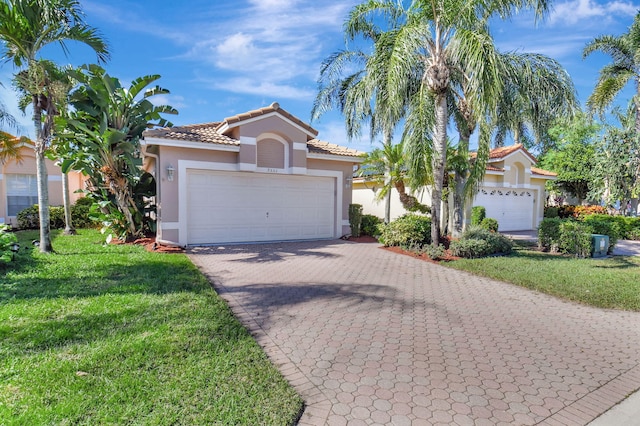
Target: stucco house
[[19, 188], [512, 191], [258, 176]]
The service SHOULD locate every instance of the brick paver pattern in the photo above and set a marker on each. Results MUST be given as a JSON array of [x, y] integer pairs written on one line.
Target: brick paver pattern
[[368, 336]]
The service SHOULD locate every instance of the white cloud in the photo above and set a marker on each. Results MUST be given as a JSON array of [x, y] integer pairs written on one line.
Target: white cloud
[[262, 88], [577, 11], [176, 101]]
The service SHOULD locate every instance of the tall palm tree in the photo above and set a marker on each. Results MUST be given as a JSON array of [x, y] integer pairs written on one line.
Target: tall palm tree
[[625, 51], [357, 83], [10, 148], [445, 35], [26, 27], [537, 90]]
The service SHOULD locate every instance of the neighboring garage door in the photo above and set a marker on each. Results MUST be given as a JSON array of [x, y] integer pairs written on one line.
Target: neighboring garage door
[[512, 208], [226, 207]]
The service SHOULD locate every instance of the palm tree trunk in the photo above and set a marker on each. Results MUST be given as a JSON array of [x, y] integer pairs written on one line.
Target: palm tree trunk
[[68, 222], [387, 205], [439, 162], [42, 179]]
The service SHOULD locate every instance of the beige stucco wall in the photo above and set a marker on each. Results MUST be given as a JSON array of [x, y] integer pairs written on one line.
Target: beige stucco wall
[[28, 167], [273, 124], [168, 199], [516, 176], [366, 194]]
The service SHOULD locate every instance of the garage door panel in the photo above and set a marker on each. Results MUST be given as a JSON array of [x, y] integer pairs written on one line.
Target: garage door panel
[[513, 209], [239, 207]]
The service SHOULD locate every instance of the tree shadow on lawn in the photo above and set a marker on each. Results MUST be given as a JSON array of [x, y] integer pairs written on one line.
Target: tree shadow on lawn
[[271, 252], [150, 277], [121, 322]]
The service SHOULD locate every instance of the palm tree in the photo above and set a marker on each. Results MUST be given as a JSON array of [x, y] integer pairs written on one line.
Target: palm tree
[[26, 27], [103, 132], [625, 51], [362, 94], [446, 36], [10, 148], [537, 90], [386, 166]]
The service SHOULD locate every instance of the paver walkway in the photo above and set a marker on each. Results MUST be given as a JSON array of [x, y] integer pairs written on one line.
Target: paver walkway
[[372, 337]]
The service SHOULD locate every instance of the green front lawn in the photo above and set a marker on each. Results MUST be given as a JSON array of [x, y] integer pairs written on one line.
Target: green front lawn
[[604, 283], [116, 335]]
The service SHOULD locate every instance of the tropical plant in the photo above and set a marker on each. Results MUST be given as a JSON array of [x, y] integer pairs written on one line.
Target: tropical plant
[[10, 147], [537, 90], [26, 27], [7, 240], [386, 166], [617, 166], [625, 68], [574, 158], [435, 40], [59, 84], [358, 84], [102, 133]]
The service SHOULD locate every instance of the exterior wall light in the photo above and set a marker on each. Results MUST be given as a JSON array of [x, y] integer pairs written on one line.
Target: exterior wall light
[[170, 171], [348, 181]]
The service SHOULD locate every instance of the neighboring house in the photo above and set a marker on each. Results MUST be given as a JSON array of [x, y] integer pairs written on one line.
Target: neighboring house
[[257, 176], [512, 191], [19, 188]]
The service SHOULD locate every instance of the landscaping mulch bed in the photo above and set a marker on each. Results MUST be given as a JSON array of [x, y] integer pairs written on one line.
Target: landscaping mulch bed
[[150, 244], [448, 257]]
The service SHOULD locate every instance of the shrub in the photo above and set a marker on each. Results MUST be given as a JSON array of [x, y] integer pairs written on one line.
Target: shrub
[[29, 218], [582, 211], [406, 230], [469, 248], [634, 234], [80, 213], [369, 225], [432, 252], [602, 224], [551, 212], [492, 243], [549, 233], [565, 212], [478, 213], [355, 218], [7, 239], [490, 224], [575, 238]]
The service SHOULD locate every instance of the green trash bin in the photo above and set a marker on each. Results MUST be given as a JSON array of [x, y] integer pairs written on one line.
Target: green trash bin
[[599, 245]]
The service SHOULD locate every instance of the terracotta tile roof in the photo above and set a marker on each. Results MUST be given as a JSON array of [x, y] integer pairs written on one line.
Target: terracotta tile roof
[[499, 153], [266, 110], [494, 169], [503, 151], [205, 132], [541, 172], [316, 146]]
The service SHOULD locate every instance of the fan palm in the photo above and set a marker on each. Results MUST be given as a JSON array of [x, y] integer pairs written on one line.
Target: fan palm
[[26, 27]]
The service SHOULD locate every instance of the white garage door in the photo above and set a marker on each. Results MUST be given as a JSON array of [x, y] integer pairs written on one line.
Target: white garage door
[[241, 207], [513, 209]]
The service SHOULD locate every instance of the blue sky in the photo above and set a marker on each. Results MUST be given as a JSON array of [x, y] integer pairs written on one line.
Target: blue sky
[[222, 57]]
